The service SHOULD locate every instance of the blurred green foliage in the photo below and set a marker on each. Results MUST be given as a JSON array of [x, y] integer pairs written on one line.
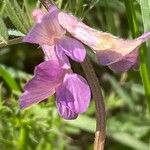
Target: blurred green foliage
[[40, 127]]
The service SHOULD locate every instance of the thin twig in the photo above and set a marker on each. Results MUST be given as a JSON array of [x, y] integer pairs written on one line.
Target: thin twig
[[11, 42], [47, 3], [97, 95]]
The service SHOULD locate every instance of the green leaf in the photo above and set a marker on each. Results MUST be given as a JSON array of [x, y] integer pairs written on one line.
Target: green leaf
[[83, 122], [2, 7], [22, 15], [145, 10], [15, 32], [144, 52], [6, 75], [29, 6], [17, 16], [88, 124], [122, 93], [3, 31], [129, 140], [138, 89]]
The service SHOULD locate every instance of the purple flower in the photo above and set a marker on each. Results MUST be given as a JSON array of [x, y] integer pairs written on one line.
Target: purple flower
[[55, 75], [116, 53]]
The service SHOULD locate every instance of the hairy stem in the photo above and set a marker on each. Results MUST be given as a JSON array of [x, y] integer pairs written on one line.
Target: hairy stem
[[97, 95]]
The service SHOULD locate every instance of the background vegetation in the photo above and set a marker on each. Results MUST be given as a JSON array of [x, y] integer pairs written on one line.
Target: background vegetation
[[40, 127]]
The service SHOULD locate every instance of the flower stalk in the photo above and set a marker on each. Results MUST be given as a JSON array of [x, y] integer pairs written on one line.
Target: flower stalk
[[99, 103]]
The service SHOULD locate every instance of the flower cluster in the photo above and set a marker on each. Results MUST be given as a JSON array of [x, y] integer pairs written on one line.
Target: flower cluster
[[54, 75]]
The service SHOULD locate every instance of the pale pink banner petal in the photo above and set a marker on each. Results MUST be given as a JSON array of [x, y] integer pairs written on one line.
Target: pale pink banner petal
[[108, 48], [38, 14], [47, 31]]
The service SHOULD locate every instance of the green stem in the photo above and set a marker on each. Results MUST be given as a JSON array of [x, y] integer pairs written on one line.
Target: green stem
[[145, 74], [23, 138], [144, 70], [11, 42]]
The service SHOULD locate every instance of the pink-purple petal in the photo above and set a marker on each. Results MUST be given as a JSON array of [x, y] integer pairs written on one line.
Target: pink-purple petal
[[48, 75], [119, 49], [144, 37], [108, 57], [73, 48], [49, 52], [54, 53], [29, 98], [129, 61], [73, 95], [66, 112], [47, 30], [63, 59], [38, 14]]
